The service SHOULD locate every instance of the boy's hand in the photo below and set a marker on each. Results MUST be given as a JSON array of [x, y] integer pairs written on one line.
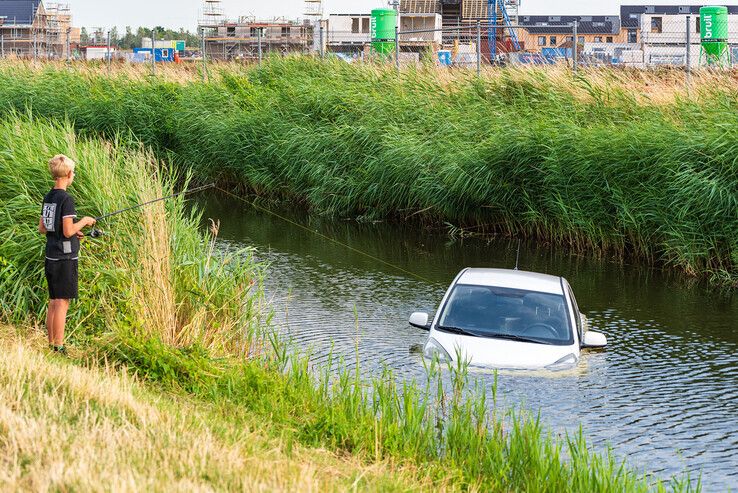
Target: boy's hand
[[88, 221], [80, 235]]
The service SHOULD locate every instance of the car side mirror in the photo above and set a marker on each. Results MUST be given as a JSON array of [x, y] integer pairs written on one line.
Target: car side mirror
[[594, 339], [420, 320]]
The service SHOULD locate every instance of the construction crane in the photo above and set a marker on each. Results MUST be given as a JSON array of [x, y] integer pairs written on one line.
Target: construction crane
[[503, 6]]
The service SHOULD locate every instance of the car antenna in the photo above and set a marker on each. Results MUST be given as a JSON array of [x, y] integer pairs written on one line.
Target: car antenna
[[517, 257]]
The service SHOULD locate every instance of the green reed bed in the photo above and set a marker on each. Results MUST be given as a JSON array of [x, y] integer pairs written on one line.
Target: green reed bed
[[159, 300], [606, 160]]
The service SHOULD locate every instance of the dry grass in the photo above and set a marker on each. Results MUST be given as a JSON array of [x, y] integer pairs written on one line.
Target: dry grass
[[68, 428], [154, 294], [654, 86]]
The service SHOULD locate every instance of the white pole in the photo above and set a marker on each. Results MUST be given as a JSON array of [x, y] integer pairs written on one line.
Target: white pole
[[479, 48], [575, 46], [153, 52], [689, 48]]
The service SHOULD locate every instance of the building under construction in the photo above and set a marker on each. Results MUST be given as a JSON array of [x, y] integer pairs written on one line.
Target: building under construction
[[246, 37], [30, 29], [430, 25]]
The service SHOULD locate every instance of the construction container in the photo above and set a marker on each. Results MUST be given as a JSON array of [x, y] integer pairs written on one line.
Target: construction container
[[383, 26], [714, 35]]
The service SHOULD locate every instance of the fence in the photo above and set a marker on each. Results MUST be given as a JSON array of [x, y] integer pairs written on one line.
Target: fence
[[470, 45], [643, 41]]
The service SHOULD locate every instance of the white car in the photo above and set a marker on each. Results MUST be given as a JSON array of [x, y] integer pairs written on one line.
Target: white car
[[500, 318]]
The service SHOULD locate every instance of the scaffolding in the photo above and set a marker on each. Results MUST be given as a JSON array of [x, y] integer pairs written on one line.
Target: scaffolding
[[24, 37], [212, 15], [313, 10], [58, 20], [478, 10], [246, 38], [420, 6]]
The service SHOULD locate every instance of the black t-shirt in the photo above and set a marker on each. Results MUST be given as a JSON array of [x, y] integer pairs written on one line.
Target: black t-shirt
[[58, 204]]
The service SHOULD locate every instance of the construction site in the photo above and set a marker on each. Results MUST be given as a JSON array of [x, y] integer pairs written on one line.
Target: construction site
[[247, 37], [251, 38], [32, 29]]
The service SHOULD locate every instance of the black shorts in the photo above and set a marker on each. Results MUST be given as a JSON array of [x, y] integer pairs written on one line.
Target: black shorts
[[62, 278]]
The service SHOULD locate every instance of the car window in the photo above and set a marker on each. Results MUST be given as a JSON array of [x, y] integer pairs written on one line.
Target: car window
[[491, 311], [577, 313]]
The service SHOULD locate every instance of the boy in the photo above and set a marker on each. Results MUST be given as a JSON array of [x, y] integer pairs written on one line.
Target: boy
[[62, 247]]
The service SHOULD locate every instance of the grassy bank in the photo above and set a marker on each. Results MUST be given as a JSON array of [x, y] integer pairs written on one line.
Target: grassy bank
[[621, 161], [159, 303], [72, 427]]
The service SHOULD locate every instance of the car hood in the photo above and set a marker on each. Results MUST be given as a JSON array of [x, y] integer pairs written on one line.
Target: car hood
[[501, 353]]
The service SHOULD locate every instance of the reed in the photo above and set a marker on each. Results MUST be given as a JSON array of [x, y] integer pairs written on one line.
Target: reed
[[449, 432], [621, 161], [155, 273]]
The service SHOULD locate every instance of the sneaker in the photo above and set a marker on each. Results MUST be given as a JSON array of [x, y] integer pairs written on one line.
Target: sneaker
[[61, 350]]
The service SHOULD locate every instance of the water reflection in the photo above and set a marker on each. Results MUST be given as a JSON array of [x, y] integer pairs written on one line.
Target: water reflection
[[664, 394]]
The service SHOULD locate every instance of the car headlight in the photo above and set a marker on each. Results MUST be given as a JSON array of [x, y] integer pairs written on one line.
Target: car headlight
[[564, 363], [434, 348]]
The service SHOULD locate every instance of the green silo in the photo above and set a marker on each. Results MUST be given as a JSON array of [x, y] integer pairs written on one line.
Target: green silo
[[383, 24], [714, 36]]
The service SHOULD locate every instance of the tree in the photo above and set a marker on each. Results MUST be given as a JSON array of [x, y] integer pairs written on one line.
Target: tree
[[128, 41], [133, 39], [113, 36]]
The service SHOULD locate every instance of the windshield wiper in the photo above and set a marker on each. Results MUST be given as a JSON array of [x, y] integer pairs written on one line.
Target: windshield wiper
[[513, 337], [456, 330]]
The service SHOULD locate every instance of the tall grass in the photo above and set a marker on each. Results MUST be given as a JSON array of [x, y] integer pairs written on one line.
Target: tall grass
[[623, 161], [447, 434], [155, 273]]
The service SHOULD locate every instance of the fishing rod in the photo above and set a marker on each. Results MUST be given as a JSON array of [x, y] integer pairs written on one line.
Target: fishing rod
[[96, 233]]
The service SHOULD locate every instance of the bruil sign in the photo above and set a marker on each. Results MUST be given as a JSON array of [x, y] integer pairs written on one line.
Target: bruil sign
[[708, 27]]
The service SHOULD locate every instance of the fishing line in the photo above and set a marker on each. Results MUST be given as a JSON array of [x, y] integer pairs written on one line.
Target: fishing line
[[321, 235]]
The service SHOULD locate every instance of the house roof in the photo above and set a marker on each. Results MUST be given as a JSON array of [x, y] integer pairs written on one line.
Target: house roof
[[630, 14], [18, 11], [562, 24]]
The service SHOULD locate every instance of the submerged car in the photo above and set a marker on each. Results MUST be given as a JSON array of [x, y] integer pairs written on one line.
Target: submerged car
[[500, 318]]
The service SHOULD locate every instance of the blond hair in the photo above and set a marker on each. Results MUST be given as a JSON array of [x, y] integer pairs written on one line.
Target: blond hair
[[60, 166]]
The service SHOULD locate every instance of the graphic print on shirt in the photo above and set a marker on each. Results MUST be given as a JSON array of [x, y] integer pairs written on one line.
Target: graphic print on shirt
[[48, 215]]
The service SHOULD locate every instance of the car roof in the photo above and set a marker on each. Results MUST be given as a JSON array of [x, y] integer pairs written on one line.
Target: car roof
[[516, 279]]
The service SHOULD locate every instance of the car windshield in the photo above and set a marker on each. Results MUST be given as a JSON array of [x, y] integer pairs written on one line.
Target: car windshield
[[505, 313]]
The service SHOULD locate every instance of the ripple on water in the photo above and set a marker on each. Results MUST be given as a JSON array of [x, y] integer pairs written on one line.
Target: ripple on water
[[664, 394], [665, 401]]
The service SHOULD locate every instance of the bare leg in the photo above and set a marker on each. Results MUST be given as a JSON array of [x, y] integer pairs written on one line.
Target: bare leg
[[50, 321], [60, 320]]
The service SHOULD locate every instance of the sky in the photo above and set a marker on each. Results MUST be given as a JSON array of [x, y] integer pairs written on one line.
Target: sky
[[184, 13]]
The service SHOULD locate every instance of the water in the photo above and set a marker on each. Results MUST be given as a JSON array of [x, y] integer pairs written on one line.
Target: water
[[664, 393]]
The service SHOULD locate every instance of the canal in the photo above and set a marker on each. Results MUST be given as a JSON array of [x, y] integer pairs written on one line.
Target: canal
[[664, 394]]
